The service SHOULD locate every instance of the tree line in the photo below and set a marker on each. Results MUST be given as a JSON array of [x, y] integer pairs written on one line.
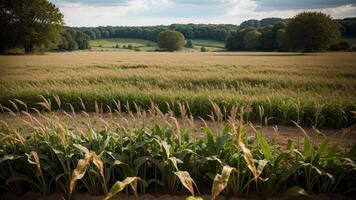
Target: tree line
[[307, 31], [190, 31], [73, 39], [38, 24]]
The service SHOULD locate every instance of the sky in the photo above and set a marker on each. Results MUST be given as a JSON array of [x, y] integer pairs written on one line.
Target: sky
[[165, 12]]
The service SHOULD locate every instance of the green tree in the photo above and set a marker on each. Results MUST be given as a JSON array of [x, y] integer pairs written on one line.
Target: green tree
[[252, 40], [234, 42], [171, 40], [29, 24], [311, 32], [282, 44], [189, 44]]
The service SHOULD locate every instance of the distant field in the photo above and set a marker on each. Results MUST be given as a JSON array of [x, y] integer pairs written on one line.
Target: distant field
[[146, 45], [110, 44], [288, 86], [350, 40]]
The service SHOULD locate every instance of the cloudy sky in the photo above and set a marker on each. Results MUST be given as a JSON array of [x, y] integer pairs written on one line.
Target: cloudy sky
[[157, 12]]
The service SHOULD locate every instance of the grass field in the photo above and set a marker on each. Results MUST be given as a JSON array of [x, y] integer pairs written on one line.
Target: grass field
[[311, 89], [146, 45], [110, 44], [350, 40]]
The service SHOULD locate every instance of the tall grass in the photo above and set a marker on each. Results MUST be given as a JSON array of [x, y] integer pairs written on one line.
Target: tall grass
[[284, 92]]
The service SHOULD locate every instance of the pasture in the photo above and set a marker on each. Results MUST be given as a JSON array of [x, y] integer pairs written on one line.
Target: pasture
[[121, 44], [310, 89]]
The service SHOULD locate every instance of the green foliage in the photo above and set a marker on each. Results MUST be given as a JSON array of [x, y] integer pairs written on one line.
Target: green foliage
[[203, 49], [252, 40], [189, 44], [171, 40], [29, 24], [73, 39], [341, 46], [190, 31], [266, 22], [64, 160], [234, 41], [282, 44], [311, 32]]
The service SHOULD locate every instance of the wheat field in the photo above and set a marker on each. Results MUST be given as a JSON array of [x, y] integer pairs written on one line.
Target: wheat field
[[311, 89]]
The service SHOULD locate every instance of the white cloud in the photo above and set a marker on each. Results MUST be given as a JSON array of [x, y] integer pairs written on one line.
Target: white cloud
[[156, 12]]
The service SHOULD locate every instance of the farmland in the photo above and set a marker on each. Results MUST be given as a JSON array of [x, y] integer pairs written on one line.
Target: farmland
[[121, 44], [163, 157], [84, 124], [310, 89]]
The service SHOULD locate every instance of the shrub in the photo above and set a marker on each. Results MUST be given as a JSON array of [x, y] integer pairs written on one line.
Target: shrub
[[171, 40], [341, 46], [203, 49], [189, 44]]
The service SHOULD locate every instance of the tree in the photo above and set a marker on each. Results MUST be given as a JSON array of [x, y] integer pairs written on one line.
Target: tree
[[234, 42], [252, 40], [311, 32], [30, 23], [189, 44], [171, 40], [282, 40], [250, 23], [267, 40]]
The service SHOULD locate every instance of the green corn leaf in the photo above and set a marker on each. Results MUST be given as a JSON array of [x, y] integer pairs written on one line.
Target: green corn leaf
[[308, 149], [141, 160], [16, 177], [266, 150], [322, 147], [210, 141]]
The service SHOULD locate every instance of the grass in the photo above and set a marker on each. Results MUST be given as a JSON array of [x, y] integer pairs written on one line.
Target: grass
[[313, 90], [146, 45], [110, 44], [210, 45], [163, 158], [350, 40]]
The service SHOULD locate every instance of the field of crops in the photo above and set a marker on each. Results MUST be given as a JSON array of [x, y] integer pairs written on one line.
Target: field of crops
[[46, 154], [311, 89], [121, 44]]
